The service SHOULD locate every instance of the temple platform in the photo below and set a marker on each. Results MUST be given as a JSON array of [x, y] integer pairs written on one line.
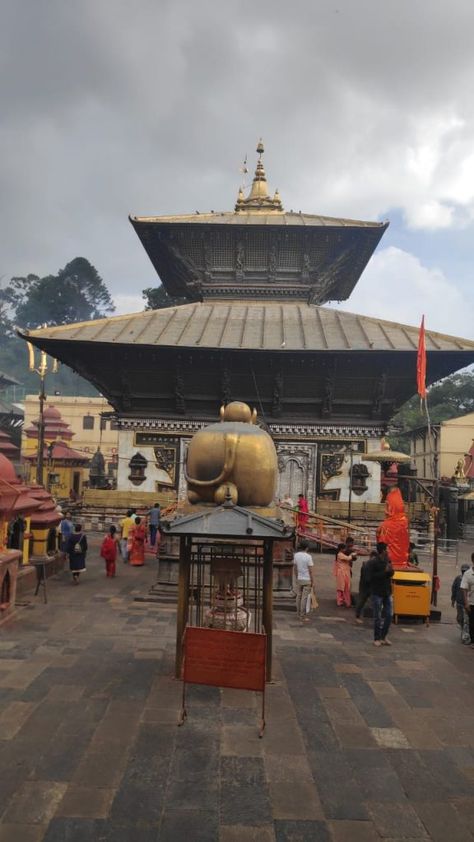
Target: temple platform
[[361, 743]]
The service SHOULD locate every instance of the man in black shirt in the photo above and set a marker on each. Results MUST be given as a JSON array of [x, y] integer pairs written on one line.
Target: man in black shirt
[[379, 574]]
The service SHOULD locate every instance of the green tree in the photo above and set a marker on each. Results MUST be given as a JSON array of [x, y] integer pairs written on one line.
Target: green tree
[[449, 398], [156, 298], [76, 293]]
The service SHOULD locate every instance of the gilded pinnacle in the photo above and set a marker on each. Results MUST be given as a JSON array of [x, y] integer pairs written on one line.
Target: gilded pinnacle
[[259, 199]]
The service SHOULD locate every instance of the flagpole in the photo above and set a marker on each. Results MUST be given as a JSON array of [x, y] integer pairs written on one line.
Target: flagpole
[[421, 386]]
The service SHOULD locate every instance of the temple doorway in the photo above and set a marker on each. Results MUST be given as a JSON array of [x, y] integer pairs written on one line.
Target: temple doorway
[[296, 465]]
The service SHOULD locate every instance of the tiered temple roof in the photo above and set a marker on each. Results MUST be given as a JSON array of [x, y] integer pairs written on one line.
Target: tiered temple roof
[[54, 426], [259, 250], [255, 279]]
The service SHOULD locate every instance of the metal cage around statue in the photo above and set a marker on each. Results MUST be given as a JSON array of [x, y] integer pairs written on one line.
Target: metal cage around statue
[[226, 572]]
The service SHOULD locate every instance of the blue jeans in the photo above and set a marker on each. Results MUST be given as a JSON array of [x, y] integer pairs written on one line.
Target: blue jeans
[[153, 531], [381, 627]]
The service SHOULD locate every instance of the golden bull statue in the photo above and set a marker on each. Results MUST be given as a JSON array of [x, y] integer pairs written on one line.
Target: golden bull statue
[[233, 456]]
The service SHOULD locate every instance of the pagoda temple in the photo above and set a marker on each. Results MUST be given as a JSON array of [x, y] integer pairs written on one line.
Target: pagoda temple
[[255, 328], [65, 466]]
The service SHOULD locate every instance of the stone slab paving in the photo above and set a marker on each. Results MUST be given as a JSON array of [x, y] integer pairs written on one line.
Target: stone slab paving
[[361, 743]]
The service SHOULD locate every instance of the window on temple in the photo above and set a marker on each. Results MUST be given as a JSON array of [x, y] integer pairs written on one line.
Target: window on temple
[[88, 422], [137, 467], [103, 423]]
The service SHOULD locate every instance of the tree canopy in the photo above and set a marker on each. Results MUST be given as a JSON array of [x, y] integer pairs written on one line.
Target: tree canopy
[[156, 298], [75, 293], [449, 398]]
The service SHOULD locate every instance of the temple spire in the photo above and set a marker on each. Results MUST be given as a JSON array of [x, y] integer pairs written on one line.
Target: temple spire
[[259, 199]]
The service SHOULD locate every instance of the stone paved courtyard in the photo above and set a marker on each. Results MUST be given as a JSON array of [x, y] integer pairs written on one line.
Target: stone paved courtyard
[[361, 743]]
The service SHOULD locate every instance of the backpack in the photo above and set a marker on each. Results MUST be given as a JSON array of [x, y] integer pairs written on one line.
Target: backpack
[[78, 546]]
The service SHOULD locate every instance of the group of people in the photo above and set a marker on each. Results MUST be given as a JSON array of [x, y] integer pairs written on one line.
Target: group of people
[[130, 543], [462, 598], [375, 582]]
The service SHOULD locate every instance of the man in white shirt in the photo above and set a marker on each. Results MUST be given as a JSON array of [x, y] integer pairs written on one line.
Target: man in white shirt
[[467, 585], [304, 578]]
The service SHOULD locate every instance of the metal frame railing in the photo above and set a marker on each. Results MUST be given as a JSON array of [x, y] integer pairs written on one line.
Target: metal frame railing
[[329, 532]]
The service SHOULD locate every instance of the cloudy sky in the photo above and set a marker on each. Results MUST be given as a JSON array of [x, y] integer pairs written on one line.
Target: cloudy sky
[[149, 106]]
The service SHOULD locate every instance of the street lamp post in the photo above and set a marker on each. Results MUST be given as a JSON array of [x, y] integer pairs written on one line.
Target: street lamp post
[[41, 370]]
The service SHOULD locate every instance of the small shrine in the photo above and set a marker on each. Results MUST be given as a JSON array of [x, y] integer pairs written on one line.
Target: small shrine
[[65, 467], [32, 504], [227, 530], [7, 447], [28, 521]]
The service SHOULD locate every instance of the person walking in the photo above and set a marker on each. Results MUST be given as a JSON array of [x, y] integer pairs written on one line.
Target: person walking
[[108, 551], [457, 596], [126, 525], [153, 522], [457, 600], [76, 549], [66, 528], [304, 578], [137, 537], [379, 573], [342, 572], [364, 586], [467, 586], [303, 512]]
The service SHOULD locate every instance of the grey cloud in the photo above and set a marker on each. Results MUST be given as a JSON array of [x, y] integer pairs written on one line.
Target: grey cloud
[[110, 107]]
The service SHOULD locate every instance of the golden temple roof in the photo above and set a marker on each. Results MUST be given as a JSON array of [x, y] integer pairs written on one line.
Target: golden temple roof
[[253, 325], [265, 217]]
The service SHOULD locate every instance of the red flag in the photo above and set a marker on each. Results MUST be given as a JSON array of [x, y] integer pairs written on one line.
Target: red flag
[[421, 361]]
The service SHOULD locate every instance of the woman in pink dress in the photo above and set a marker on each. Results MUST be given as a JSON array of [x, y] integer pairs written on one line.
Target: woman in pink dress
[[137, 537], [342, 572]]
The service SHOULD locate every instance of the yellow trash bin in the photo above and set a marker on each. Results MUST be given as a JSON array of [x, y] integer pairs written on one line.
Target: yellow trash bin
[[411, 591]]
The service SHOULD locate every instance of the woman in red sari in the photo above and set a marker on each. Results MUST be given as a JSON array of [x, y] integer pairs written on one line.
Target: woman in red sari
[[303, 510], [137, 536]]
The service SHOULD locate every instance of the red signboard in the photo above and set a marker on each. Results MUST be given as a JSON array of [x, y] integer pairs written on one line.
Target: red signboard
[[224, 658]]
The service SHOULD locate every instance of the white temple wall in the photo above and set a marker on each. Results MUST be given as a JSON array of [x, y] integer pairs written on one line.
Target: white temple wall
[[300, 461]]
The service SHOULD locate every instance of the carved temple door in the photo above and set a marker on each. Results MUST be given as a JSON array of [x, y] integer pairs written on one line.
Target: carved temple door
[[297, 471]]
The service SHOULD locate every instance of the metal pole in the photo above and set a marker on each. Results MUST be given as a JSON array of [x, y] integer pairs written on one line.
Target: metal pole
[[349, 513], [40, 456], [267, 601], [434, 592], [183, 599]]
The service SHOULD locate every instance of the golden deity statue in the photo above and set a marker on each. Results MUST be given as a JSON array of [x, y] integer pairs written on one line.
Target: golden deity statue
[[232, 457]]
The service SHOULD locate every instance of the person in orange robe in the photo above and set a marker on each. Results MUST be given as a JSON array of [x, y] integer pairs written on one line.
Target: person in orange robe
[[303, 510], [137, 535], [394, 530]]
